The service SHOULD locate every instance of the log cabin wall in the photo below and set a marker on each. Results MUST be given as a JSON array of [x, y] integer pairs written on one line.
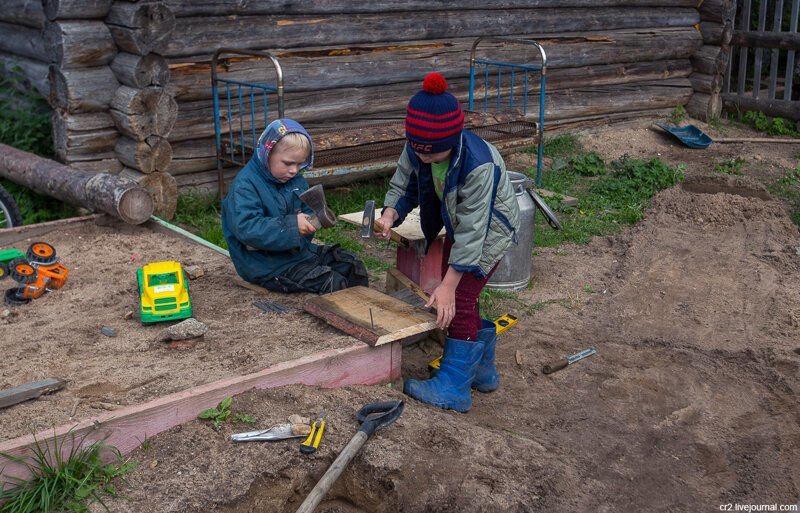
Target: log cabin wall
[[143, 102]]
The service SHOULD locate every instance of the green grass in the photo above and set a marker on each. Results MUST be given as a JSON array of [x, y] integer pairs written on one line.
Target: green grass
[[25, 125], [730, 167], [678, 115], [200, 214], [64, 481], [788, 189], [606, 202], [763, 123], [560, 146]]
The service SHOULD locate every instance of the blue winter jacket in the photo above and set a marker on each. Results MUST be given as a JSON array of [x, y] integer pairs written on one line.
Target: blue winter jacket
[[259, 214]]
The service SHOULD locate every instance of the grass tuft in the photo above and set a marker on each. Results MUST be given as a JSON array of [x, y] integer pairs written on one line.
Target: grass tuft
[[730, 167], [64, 482]]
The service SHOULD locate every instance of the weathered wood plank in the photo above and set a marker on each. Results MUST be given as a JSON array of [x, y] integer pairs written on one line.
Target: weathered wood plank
[[184, 8], [776, 108], [24, 41], [79, 44], [377, 64], [23, 12], [370, 316], [140, 71], [763, 39], [126, 428], [32, 390], [26, 73], [76, 9], [141, 28], [82, 137], [83, 89], [201, 35]]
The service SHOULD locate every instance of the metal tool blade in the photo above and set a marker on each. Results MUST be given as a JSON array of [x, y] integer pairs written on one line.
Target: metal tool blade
[[277, 432], [580, 356], [368, 219]]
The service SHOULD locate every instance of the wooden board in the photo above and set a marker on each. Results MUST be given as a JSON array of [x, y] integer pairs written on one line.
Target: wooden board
[[410, 229], [370, 316], [32, 390]]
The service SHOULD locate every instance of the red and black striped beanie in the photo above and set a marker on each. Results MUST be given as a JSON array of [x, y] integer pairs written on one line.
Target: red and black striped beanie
[[434, 119]]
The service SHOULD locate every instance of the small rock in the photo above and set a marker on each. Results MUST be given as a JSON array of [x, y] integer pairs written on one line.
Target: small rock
[[297, 419], [5, 313], [108, 331], [128, 315], [301, 429], [194, 271], [184, 330], [796, 252]]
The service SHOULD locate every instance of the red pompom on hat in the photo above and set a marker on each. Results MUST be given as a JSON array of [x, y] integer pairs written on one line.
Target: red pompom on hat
[[434, 118], [434, 83]]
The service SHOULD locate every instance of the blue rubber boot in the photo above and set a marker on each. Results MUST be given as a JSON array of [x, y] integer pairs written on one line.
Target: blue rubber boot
[[450, 388], [486, 377]]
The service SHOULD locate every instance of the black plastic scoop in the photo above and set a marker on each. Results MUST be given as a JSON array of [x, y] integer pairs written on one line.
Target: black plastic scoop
[[373, 417]]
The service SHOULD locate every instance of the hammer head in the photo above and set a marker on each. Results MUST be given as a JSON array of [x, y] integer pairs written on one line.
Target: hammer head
[[323, 217], [368, 221]]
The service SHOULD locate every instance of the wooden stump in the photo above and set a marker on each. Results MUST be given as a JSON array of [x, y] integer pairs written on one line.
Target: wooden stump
[[162, 189], [140, 71], [152, 154], [140, 28], [140, 113], [705, 107]]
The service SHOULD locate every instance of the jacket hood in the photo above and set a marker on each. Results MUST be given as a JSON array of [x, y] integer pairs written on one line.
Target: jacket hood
[[276, 131]]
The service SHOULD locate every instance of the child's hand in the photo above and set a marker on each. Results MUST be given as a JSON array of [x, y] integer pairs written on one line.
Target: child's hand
[[303, 226], [444, 298], [386, 221]]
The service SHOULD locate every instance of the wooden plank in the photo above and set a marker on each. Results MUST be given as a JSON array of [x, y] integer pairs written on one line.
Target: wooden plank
[[789, 79], [410, 229], [25, 41], [773, 65], [23, 12], [200, 35], [10, 236], [744, 24], [32, 390], [370, 316], [774, 108], [762, 20], [126, 428]]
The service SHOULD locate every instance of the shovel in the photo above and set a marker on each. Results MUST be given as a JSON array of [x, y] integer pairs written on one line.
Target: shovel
[[373, 417]]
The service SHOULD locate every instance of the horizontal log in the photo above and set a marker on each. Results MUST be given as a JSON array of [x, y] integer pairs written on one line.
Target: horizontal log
[[706, 83], [184, 8], [198, 155], [376, 64], [710, 60], [202, 35], [721, 11], [140, 71], [711, 32], [83, 89], [98, 192], [76, 9], [705, 107], [23, 12], [152, 154], [775, 108], [162, 189], [24, 41], [79, 44], [140, 113], [25, 73], [755, 39], [140, 28], [105, 165], [81, 137], [195, 119]]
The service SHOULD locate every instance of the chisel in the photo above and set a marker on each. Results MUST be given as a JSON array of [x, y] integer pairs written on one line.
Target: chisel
[[557, 365]]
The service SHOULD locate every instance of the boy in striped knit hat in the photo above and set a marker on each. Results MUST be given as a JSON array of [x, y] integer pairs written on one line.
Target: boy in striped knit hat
[[459, 181]]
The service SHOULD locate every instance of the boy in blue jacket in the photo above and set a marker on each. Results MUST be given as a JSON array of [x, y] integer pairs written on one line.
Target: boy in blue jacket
[[266, 226]]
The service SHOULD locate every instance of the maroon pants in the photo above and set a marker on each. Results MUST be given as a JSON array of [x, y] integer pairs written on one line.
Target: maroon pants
[[467, 321]]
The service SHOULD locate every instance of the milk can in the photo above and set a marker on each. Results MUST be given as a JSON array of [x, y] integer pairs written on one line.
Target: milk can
[[514, 270]]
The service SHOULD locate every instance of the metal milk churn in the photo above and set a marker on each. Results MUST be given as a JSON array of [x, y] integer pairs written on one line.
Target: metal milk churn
[[514, 270]]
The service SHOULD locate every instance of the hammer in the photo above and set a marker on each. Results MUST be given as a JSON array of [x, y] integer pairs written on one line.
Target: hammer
[[371, 226], [323, 217]]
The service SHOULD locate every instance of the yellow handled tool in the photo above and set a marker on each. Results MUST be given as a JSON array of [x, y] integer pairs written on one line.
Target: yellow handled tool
[[314, 438]]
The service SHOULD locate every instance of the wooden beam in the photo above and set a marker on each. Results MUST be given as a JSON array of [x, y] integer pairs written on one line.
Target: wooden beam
[[765, 39], [23, 12], [370, 316], [126, 428], [32, 390], [776, 108]]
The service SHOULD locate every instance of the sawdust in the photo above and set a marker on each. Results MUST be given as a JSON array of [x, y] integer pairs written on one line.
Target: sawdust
[[690, 403]]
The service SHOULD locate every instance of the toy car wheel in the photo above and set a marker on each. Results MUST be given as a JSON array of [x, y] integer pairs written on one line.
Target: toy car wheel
[[14, 297], [3, 270], [41, 253], [21, 271], [9, 212]]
